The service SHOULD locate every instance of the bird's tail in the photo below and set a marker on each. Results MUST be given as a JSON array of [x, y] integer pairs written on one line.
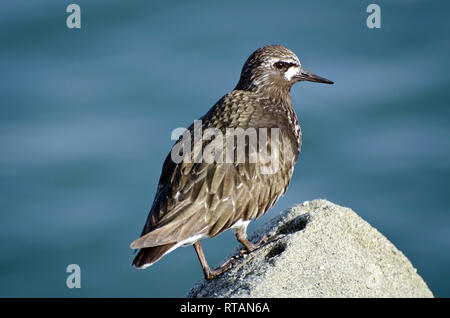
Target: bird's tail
[[150, 255]]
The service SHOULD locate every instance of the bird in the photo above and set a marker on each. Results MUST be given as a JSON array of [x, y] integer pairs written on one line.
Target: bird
[[199, 199]]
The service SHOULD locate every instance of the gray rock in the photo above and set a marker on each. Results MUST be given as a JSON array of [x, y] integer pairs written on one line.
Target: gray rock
[[328, 251]]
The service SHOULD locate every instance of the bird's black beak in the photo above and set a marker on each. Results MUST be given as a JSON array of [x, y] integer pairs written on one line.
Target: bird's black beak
[[305, 75]]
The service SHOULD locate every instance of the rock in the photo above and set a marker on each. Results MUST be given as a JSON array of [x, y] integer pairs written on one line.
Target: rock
[[327, 251]]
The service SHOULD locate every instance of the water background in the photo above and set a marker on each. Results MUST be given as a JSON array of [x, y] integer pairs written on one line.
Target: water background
[[86, 117]]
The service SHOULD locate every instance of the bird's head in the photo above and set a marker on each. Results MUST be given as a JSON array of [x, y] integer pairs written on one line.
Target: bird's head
[[274, 67]]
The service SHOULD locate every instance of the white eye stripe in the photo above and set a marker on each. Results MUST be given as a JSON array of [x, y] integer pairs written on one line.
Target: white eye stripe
[[292, 71], [272, 61]]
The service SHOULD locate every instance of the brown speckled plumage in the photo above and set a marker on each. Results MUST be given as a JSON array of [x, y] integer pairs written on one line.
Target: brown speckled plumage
[[200, 199]]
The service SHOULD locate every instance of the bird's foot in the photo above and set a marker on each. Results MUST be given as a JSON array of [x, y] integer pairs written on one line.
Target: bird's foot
[[227, 265], [267, 240], [262, 242]]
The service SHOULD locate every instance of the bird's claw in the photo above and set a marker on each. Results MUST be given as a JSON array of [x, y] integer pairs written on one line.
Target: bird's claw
[[262, 242]]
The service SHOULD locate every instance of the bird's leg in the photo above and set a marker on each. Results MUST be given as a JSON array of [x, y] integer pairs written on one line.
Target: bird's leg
[[241, 235], [210, 274]]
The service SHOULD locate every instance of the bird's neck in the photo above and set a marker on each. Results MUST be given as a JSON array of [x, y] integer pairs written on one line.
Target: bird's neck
[[280, 102], [279, 93], [282, 98]]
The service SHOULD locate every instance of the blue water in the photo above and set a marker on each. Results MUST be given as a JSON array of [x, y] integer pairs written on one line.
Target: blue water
[[86, 117]]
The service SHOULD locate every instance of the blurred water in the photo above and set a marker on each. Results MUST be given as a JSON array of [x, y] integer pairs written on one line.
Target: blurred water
[[86, 116]]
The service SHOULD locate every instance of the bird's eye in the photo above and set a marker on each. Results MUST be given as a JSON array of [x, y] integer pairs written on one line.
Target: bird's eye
[[280, 65]]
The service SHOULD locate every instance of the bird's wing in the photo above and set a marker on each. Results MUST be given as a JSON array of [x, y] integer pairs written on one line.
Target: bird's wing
[[191, 197], [201, 198]]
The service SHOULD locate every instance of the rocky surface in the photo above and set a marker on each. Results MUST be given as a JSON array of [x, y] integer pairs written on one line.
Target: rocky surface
[[327, 251]]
